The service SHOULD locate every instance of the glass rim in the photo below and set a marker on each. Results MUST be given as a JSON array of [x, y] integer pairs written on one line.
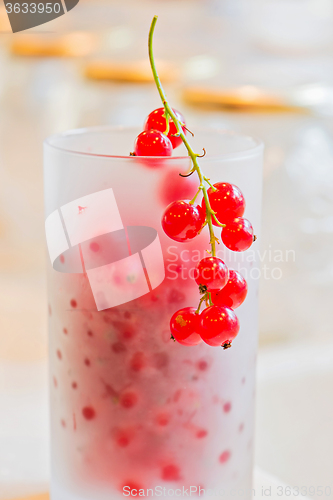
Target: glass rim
[[245, 153]]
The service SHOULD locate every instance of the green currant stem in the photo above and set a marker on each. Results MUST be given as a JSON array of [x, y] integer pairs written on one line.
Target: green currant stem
[[211, 185], [200, 303], [180, 133], [167, 121], [195, 197], [217, 221], [205, 224], [210, 299]]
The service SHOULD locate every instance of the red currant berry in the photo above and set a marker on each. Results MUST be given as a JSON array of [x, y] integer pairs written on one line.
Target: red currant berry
[[128, 399], [234, 293], [227, 407], [162, 419], [224, 457], [182, 221], [184, 326], [156, 120], [88, 412], [238, 235], [131, 488], [152, 143], [218, 325], [138, 361], [171, 473], [211, 273], [227, 201], [123, 436]]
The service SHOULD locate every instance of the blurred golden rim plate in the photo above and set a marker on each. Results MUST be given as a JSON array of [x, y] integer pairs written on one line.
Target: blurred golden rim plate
[[4, 21], [44, 496], [76, 44], [244, 98], [129, 71]]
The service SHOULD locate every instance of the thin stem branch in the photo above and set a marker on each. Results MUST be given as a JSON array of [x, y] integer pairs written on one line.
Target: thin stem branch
[[180, 132], [217, 221], [187, 175], [210, 184], [196, 195], [167, 121], [200, 303]]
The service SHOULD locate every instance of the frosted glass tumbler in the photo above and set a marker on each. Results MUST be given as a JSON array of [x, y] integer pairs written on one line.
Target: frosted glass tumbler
[[133, 412]]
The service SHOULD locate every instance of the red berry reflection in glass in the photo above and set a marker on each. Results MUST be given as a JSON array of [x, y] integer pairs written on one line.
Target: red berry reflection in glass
[[224, 457], [128, 399], [182, 221], [156, 120], [88, 412], [218, 325], [173, 187], [238, 235], [212, 274], [138, 361], [152, 143], [171, 473], [234, 293], [130, 488], [184, 326], [227, 201]]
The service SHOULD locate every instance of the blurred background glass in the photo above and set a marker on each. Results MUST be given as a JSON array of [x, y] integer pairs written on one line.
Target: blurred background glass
[[262, 67]]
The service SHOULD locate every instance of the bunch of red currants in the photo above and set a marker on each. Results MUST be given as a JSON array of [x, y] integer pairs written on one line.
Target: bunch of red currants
[[153, 141], [223, 205]]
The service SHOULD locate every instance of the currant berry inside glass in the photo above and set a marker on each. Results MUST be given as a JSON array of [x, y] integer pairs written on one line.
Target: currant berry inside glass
[[152, 143], [156, 120], [234, 293], [227, 201], [212, 274], [238, 235], [219, 325], [182, 221], [184, 326]]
